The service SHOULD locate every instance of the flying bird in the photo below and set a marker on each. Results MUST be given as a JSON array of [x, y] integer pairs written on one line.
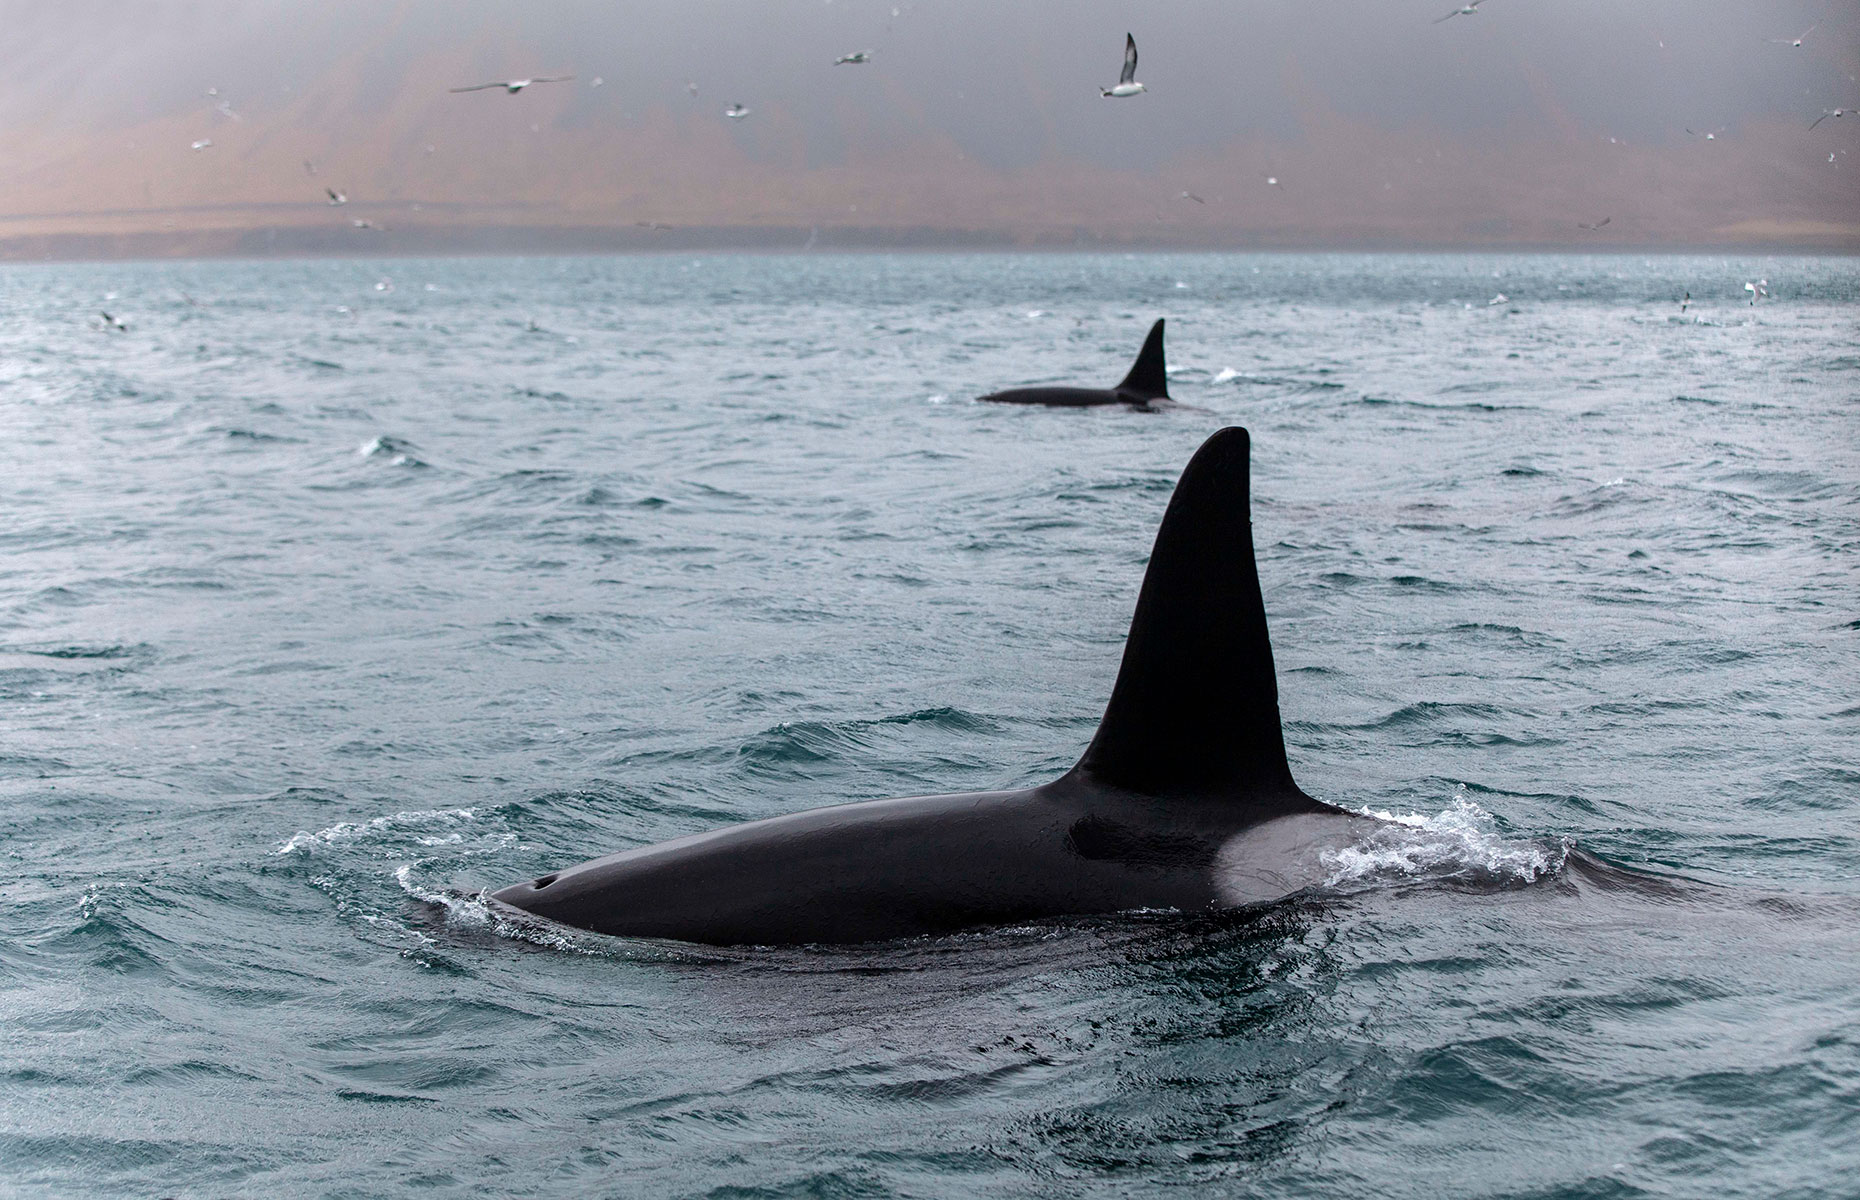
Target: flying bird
[[736, 112], [513, 86], [1685, 301], [1794, 41], [1594, 225], [309, 167], [1463, 11], [1711, 135], [1194, 197], [203, 143], [853, 59], [337, 198], [1760, 290], [1830, 112], [692, 88], [116, 323], [1127, 84]]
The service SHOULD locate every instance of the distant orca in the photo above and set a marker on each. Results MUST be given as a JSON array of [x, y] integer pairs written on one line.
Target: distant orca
[[1146, 384], [1183, 800]]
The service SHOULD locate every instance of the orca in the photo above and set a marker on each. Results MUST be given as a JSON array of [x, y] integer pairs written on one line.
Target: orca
[[1183, 800], [1146, 387]]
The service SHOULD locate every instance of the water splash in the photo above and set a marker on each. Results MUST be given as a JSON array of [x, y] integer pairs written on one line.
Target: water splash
[[1460, 844], [476, 911], [101, 899], [398, 453]]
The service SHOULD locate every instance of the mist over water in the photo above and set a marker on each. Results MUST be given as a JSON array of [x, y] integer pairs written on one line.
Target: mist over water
[[336, 592]]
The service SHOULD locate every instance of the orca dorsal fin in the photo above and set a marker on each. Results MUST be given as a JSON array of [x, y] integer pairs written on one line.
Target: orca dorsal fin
[[1195, 711], [1147, 379]]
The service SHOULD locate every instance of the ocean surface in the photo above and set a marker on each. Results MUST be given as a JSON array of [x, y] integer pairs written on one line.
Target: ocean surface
[[335, 592]]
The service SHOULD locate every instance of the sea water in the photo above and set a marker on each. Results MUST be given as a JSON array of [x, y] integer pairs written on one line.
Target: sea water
[[334, 593]]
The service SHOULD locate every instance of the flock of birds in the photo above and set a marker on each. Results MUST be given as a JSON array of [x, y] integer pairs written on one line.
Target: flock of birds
[[735, 112], [1126, 86]]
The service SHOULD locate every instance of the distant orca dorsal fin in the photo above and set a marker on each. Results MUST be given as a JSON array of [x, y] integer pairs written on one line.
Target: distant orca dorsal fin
[[1195, 711], [1148, 380]]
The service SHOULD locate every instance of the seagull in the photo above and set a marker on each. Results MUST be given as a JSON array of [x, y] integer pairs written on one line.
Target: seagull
[[1795, 41], [1830, 112], [1272, 181], [203, 143], [853, 59], [1127, 84], [736, 112], [1595, 225], [1685, 301], [596, 82], [513, 86], [1463, 11], [116, 323], [1711, 135], [1760, 290], [337, 198], [360, 223], [1194, 197], [692, 88]]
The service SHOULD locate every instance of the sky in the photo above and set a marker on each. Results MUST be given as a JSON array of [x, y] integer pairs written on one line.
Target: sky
[[1292, 122]]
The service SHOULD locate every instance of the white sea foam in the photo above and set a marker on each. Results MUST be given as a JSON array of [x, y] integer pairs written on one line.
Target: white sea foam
[[1460, 843], [342, 831]]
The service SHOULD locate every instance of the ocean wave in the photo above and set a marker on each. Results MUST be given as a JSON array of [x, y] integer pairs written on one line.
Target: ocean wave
[[237, 434], [79, 653], [398, 453], [1289, 384], [800, 744]]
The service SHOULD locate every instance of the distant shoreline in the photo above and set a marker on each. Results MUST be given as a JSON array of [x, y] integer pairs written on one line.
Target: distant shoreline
[[420, 241]]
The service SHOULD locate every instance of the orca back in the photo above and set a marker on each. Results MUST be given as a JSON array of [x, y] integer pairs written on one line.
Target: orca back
[[1148, 380], [1195, 711]]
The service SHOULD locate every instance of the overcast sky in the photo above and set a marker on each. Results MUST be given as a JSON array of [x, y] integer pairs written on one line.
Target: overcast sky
[[973, 114]]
